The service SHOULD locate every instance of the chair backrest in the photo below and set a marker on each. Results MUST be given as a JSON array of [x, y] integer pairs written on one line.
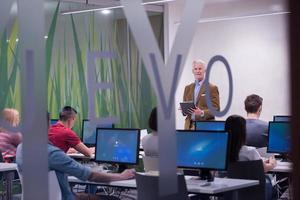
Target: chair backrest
[[147, 186], [252, 170], [54, 188], [54, 192], [150, 163]]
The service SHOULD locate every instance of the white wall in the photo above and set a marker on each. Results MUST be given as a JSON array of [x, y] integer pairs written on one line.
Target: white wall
[[256, 49]]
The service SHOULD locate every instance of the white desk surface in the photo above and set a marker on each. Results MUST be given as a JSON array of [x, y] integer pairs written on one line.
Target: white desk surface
[[283, 167], [7, 167], [219, 185]]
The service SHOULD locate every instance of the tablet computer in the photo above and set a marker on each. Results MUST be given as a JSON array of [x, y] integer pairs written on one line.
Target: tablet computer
[[186, 105]]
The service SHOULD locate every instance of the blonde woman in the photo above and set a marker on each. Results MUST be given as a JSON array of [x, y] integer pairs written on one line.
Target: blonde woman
[[9, 140]]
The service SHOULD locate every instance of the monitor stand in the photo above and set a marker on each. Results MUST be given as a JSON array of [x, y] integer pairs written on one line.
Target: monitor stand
[[121, 168], [207, 175]]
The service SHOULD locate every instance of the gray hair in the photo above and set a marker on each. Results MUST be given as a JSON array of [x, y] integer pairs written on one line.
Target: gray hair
[[199, 61]]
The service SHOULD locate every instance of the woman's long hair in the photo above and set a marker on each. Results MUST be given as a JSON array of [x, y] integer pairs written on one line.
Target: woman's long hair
[[235, 125]]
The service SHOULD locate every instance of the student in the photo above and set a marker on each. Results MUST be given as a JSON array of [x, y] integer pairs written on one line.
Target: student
[[235, 125], [9, 140], [150, 141], [63, 165], [62, 136], [256, 129]]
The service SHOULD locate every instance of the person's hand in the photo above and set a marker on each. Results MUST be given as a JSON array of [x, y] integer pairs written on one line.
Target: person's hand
[[127, 174], [272, 161], [71, 150], [196, 110], [92, 150]]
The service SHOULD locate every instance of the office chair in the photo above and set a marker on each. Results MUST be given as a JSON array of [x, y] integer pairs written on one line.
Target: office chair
[[252, 170], [147, 187], [54, 189]]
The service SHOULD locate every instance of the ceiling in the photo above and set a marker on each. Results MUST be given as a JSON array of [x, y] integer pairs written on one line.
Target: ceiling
[[212, 8]]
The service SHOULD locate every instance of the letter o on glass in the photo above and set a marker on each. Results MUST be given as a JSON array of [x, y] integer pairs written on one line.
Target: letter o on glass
[[206, 85]]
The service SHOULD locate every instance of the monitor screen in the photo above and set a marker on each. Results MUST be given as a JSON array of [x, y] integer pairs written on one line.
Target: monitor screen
[[119, 146], [89, 132], [202, 149], [53, 121], [282, 118], [210, 125], [279, 137]]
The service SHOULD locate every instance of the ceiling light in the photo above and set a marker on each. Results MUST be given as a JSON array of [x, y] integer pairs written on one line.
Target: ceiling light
[[110, 8], [105, 12]]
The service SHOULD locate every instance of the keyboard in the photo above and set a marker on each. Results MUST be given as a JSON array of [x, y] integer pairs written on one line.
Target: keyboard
[[288, 164]]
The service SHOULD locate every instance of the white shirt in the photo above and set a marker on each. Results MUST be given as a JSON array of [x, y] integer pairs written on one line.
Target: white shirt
[[150, 144], [248, 153]]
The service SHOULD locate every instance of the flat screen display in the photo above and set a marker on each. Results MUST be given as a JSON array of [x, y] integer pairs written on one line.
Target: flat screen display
[[202, 149], [210, 125], [282, 118], [279, 137], [53, 121], [89, 132], [118, 146]]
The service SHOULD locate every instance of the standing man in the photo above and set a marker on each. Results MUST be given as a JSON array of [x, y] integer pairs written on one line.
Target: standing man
[[196, 92], [256, 129]]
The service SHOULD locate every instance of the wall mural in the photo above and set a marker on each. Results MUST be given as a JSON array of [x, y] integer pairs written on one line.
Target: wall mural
[[69, 39]]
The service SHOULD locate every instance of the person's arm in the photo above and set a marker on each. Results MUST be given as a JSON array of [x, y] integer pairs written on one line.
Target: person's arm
[[269, 164], [107, 177], [80, 147]]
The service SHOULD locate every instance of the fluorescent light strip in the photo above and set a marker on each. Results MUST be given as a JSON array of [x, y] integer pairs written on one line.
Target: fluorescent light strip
[[110, 8], [239, 17], [90, 10]]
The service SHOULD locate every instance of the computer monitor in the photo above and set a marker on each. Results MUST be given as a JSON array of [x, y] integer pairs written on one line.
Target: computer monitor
[[210, 125], [118, 146], [89, 132], [279, 137], [282, 118], [205, 150], [53, 121]]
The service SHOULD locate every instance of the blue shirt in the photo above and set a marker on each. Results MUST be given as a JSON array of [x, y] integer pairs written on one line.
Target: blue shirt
[[63, 165], [198, 85]]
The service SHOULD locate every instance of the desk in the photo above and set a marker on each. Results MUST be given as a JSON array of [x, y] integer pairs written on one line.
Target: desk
[[8, 172], [219, 185], [286, 167], [80, 156]]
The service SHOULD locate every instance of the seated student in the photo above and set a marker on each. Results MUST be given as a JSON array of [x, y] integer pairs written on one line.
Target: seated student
[[9, 140], [63, 165], [150, 141], [235, 125], [62, 136], [256, 129]]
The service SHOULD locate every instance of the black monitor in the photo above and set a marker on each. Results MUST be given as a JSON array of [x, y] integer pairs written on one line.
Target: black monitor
[[205, 150], [282, 118], [53, 121], [117, 146], [279, 137], [210, 125], [89, 132]]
